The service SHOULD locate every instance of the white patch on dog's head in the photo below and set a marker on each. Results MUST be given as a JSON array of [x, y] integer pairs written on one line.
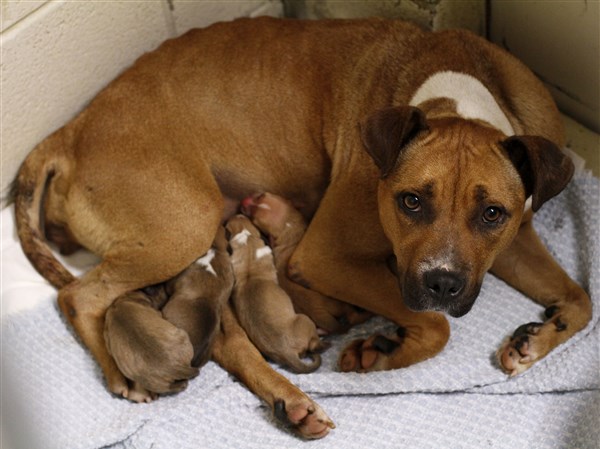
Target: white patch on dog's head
[[205, 261], [263, 252], [241, 238], [473, 100]]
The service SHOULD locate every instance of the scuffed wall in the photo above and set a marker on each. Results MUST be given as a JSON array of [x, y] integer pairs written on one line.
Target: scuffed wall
[[432, 14], [57, 55]]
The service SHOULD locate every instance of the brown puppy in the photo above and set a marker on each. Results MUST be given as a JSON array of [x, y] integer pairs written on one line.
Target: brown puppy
[[284, 224], [155, 350], [152, 353], [197, 296], [398, 141], [263, 309]]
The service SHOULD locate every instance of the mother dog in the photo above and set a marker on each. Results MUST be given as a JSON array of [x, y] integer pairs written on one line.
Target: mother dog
[[394, 140]]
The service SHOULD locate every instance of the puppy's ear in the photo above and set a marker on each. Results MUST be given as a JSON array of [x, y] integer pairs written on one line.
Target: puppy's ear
[[544, 169], [387, 131]]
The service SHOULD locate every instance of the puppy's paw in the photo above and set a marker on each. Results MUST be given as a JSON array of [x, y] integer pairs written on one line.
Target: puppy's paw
[[370, 354], [303, 416], [137, 393]]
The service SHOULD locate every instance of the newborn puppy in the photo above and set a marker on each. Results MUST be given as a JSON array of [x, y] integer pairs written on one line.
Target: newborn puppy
[[160, 351], [197, 296], [151, 352], [285, 226], [264, 310]]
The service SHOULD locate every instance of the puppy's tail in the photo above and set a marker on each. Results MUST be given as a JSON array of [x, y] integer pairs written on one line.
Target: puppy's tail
[[298, 366], [28, 190]]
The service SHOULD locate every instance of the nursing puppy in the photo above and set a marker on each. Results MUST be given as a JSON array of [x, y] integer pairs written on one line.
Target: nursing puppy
[[160, 336], [198, 295], [284, 225], [152, 353], [263, 308]]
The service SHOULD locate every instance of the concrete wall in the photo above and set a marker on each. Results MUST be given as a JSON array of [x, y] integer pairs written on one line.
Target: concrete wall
[[432, 14], [57, 55], [560, 42]]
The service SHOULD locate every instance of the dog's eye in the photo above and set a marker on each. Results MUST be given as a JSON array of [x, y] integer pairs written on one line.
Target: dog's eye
[[492, 214], [411, 202]]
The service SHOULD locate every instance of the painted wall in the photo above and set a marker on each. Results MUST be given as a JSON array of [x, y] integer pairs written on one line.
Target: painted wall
[[560, 42], [56, 55]]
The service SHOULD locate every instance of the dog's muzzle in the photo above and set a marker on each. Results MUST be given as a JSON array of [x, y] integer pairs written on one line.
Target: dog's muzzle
[[439, 290]]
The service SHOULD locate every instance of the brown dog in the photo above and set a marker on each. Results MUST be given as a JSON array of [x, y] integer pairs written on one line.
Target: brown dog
[[285, 226], [158, 351], [399, 141], [263, 308]]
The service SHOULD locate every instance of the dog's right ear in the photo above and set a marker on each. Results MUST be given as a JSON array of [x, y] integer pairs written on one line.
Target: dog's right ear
[[387, 131]]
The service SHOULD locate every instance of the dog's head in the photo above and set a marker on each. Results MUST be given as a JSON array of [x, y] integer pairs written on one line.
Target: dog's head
[[451, 197]]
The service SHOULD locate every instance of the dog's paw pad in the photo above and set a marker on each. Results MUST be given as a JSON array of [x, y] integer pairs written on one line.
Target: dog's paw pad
[[370, 354], [304, 417], [518, 352]]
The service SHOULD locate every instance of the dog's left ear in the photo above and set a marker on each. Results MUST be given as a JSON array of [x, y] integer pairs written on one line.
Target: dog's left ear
[[387, 131], [544, 169]]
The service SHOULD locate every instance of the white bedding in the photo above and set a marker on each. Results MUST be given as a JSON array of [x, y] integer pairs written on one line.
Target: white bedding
[[54, 396]]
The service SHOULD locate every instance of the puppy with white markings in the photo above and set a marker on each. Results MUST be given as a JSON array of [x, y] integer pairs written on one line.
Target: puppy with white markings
[[153, 354], [284, 224], [263, 308], [158, 351], [197, 296]]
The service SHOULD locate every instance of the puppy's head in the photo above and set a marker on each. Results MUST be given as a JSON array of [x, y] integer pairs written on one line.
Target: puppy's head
[[239, 228], [271, 213], [451, 197]]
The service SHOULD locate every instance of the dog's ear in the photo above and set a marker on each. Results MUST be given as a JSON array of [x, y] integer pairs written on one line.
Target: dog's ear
[[387, 131], [544, 169]]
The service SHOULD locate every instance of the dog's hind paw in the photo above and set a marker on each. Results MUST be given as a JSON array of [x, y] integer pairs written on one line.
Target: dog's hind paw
[[305, 417]]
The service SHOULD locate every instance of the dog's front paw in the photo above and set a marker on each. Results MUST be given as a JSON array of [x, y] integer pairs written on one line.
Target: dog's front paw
[[371, 354], [520, 350], [532, 341], [303, 416]]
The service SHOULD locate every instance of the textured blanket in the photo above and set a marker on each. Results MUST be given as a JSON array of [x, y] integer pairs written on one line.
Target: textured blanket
[[54, 396]]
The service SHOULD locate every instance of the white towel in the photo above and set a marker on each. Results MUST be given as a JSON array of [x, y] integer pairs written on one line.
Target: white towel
[[54, 395]]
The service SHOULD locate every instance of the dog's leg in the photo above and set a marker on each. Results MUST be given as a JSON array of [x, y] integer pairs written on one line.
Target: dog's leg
[[420, 335], [341, 267], [239, 357], [527, 266], [142, 242], [84, 303]]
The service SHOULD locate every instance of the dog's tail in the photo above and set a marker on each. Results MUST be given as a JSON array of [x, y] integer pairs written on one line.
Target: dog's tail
[[28, 191]]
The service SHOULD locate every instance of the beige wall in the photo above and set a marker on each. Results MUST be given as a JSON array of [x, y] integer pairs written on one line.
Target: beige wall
[[57, 55], [560, 42], [433, 14]]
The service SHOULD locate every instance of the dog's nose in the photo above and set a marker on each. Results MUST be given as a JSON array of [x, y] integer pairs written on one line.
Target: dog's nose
[[443, 284]]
